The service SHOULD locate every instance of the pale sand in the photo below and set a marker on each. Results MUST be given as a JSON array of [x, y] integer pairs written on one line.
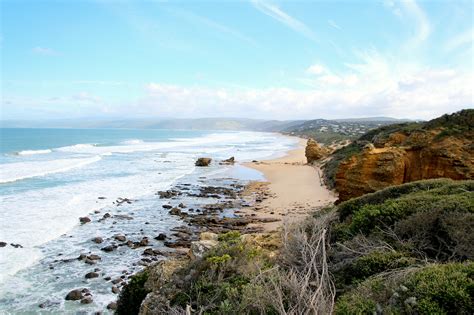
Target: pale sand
[[293, 189]]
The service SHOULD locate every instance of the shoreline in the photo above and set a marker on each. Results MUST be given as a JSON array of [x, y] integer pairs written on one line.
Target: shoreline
[[294, 188]]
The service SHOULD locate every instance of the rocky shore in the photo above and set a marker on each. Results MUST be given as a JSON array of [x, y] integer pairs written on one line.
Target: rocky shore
[[208, 206]]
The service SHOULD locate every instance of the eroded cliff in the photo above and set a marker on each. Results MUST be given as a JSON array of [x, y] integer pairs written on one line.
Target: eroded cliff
[[399, 154]]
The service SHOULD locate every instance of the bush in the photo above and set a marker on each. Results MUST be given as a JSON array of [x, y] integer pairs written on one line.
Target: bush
[[431, 219], [434, 289], [216, 283], [132, 295], [369, 265]]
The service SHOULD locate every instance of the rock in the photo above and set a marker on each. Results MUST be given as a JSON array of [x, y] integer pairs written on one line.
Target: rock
[[167, 206], [112, 306], [116, 281], [120, 238], [229, 161], [91, 275], [313, 151], [106, 215], [97, 240], [199, 248], [208, 236], [175, 211], [161, 237], [203, 162], [168, 194], [148, 252], [115, 290], [182, 205], [74, 295], [86, 300], [93, 257], [84, 220], [108, 248], [49, 304], [144, 241], [3, 244], [90, 261]]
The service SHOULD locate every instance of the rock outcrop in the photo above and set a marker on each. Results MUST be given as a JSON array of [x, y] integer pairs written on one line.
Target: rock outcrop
[[313, 151], [203, 161], [423, 151]]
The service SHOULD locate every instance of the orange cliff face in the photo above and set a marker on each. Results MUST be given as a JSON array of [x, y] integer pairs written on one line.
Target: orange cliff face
[[402, 158]]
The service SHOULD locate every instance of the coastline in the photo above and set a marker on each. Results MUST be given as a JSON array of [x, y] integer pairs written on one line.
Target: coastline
[[293, 188]]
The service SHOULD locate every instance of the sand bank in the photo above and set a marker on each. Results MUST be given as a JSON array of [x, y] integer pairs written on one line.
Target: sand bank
[[293, 188]]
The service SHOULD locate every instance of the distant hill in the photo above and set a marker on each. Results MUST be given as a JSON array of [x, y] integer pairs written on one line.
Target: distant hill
[[328, 131], [322, 130]]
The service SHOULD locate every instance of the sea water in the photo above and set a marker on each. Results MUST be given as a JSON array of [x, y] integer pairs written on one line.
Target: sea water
[[51, 177]]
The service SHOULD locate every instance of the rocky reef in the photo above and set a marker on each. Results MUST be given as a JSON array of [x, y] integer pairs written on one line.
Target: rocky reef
[[397, 154]]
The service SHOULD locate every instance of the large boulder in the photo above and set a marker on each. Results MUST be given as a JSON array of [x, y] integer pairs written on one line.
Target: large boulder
[[313, 151], [199, 248], [203, 161]]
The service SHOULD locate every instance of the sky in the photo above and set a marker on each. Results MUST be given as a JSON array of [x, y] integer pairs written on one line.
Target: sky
[[255, 59]]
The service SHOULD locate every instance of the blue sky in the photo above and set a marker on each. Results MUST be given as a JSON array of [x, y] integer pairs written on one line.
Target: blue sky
[[258, 59]]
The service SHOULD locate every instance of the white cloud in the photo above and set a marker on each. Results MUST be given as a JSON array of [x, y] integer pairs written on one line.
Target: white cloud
[[316, 69], [45, 51], [376, 86], [283, 17]]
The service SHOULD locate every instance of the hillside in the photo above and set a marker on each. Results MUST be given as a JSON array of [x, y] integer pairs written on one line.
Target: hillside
[[329, 131], [400, 153], [403, 250]]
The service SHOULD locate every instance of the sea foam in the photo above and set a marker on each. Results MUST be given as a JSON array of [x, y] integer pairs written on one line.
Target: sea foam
[[12, 172]]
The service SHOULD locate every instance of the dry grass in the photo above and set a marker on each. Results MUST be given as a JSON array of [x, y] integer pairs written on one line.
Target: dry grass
[[301, 283]]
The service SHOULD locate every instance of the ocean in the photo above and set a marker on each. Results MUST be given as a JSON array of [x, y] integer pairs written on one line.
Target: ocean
[[51, 177]]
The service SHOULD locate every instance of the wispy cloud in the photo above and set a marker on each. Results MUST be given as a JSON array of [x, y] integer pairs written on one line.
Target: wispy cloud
[[334, 24], [421, 20], [45, 51], [283, 17], [409, 9], [190, 16], [461, 40]]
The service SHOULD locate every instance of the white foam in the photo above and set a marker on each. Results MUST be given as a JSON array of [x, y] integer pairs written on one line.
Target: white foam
[[12, 172], [132, 142], [33, 152], [38, 216], [76, 147]]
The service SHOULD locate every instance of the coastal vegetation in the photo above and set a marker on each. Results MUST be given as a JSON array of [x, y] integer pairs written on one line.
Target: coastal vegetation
[[404, 249]]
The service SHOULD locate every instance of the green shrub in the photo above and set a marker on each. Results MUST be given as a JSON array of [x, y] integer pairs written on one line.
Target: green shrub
[[448, 287], [434, 289], [434, 186], [229, 236], [132, 295], [216, 283], [371, 264]]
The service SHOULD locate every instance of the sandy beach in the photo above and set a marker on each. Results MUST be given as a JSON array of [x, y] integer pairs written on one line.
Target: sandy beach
[[293, 188]]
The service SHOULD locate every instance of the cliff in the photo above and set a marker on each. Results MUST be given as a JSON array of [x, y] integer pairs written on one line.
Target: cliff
[[397, 154]]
